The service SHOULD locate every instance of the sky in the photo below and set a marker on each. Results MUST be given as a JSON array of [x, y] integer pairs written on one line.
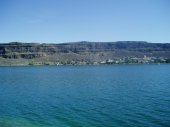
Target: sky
[[58, 21]]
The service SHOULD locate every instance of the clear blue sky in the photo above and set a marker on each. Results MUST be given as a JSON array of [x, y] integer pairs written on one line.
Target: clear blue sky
[[57, 21]]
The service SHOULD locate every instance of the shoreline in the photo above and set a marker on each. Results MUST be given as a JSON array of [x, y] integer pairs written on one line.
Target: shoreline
[[84, 65]]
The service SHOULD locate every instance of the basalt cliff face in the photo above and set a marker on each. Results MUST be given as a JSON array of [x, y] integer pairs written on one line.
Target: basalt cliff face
[[16, 53]]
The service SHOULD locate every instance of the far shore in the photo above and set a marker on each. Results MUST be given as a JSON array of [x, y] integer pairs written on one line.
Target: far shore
[[40, 65]]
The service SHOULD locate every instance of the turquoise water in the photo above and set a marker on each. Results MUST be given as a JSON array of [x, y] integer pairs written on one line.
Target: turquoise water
[[85, 96]]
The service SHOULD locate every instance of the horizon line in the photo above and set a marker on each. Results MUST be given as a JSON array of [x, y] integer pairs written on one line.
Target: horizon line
[[36, 42]]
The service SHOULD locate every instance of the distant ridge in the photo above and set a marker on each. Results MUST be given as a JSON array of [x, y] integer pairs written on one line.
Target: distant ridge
[[83, 52]]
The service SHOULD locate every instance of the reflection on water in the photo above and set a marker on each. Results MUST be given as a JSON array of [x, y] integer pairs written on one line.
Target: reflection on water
[[88, 96]]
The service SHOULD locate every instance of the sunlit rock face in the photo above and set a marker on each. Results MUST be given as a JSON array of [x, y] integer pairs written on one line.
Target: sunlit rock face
[[86, 52]]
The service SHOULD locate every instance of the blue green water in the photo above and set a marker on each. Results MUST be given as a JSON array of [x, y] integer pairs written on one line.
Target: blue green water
[[85, 96]]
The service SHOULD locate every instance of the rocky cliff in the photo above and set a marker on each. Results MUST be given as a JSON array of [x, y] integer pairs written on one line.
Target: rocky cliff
[[81, 52]]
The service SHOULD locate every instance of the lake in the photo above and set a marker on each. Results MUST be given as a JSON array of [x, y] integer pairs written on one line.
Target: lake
[[85, 96]]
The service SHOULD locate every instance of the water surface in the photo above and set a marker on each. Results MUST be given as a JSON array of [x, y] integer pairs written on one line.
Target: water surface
[[85, 96]]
